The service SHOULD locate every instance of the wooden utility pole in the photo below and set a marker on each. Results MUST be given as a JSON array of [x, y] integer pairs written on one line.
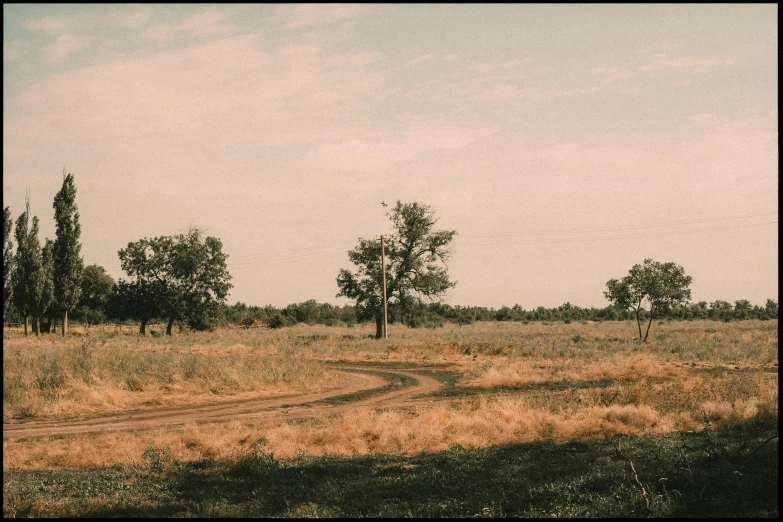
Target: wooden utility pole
[[383, 271]]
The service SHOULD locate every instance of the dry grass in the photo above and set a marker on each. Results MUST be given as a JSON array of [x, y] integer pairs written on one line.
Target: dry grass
[[670, 386], [47, 376]]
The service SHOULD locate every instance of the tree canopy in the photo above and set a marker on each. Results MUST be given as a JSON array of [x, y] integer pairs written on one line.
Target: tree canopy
[[68, 264], [659, 286], [186, 274], [28, 272], [96, 292], [415, 256], [8, 262]]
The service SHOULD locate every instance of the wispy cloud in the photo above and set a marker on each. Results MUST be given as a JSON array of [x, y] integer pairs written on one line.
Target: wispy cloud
[[52, 24], [12, 49], [64, 47], [510, 64], [199, 24], [419, 59], [504, 92], [662, 62], [311, 15], [421, 136]]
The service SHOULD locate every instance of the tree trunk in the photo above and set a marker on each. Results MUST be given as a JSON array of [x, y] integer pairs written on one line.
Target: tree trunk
[[648, 326], [168, 327], [25, 326], [36, 325], [639, 323], [379, 327], [142, 329], [65, 323]]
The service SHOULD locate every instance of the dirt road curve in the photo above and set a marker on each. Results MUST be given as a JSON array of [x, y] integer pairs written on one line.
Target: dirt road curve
[[287, 407]]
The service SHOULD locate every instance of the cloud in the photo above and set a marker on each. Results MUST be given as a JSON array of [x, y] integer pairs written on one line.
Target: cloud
[[12, 49], [419, 59], [199, 24], [134, 19], [311, 15], [501, 65], [662, 63], [222, 95], [504, 92], [63, 47], [421, 136], [52, 24]]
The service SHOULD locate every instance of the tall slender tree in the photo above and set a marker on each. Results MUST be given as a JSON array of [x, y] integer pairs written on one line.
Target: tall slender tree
[[27, 263], [46, 283], [68, 264], [41, 291], [8, 262]]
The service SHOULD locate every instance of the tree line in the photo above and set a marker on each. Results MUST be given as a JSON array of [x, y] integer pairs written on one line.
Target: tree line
[[183, 279], [180, 277]]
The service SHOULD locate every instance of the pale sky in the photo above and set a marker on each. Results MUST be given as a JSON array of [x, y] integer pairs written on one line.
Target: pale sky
[[563, 143]]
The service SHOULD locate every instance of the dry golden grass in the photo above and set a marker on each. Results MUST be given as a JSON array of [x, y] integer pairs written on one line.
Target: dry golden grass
[[47, 376], [688, 372]]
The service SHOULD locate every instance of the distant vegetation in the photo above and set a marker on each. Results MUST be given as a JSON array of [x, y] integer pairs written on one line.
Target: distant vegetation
[[183, 280]]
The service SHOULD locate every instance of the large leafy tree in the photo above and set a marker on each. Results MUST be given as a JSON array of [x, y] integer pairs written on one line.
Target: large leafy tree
[[187, 272], [659, 287], [8, 262], [415, 255], [68, 264]]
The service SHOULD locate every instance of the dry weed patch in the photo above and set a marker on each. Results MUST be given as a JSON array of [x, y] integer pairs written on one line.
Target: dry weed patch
[[688, 374]]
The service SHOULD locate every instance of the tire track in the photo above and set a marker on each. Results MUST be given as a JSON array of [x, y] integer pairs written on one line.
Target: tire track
[[292, 407]]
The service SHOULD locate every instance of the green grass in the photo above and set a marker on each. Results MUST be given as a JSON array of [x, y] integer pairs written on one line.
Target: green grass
[[729, 473]]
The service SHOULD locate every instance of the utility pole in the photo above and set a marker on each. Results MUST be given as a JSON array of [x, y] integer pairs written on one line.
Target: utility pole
[[383, 271]]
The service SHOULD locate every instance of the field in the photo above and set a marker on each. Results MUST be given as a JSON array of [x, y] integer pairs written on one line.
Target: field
[[486, 419]]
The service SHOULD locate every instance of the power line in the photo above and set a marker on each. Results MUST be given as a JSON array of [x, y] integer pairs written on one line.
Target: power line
[[324, 250], [610, 229], [582, 240]]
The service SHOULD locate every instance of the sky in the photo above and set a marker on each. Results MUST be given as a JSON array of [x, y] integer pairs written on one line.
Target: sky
[[564, 143]]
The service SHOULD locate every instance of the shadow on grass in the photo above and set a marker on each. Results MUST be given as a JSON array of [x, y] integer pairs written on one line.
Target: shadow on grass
[[731, 473]]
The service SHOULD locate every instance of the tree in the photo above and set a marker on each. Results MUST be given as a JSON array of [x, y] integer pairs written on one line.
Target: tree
[[659, 286], [45, 283], [8, 262], [68, 264], [771, 308], [187, 272], [742, 309], [28, 266], [96, 290], [138, 299], [416, 269]]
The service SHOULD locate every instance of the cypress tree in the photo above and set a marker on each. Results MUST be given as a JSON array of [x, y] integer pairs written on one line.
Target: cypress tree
[[27, 263], [8, 262], [68, 264]]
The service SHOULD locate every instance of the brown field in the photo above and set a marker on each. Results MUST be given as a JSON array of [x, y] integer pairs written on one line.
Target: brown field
[[503, 382]]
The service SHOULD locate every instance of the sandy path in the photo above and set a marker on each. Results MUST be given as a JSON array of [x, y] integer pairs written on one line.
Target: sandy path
[[287, 407]]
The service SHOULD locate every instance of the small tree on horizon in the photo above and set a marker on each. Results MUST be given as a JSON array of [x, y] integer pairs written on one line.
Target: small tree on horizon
[[659, 286], [68, 264]]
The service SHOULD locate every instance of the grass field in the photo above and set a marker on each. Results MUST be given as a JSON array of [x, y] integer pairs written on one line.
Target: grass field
[[538, 419]]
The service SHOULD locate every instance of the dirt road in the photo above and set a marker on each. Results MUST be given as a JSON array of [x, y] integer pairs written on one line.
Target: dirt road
[[286, 407]]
